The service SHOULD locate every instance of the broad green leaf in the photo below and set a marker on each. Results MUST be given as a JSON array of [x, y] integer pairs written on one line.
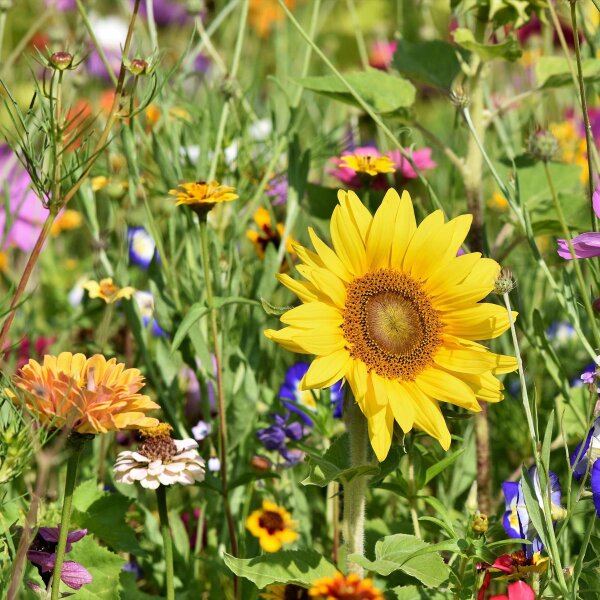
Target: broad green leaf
[[103, 515], [196, 312], [129, 590], [104, 566], [553, 71], [384, 92], [508, 50], [409, 554], [434, 62], [300, 567], [534, 509]]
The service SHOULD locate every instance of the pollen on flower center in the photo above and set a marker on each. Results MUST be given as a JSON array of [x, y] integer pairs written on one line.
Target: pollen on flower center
[[271, 521], [158, 443], [390, 324]]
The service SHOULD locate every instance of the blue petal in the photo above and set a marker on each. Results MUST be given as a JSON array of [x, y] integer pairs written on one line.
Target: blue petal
[[296, 409], [579, 458], [510, 530], [595, 479], [555, 492], [511, 491]]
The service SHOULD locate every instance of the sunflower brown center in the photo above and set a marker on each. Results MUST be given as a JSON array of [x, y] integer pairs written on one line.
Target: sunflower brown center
[[271, 521], [390, 324]]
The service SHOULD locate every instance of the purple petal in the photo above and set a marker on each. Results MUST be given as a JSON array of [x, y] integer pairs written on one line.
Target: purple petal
[[76, 535], [511, 490], [586, 245], [44, 559], [49, 534], [74, 575]]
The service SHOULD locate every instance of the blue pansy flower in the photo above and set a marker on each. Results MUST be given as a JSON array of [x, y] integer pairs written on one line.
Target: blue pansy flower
[[516, 520], [142, 248], [588, 453], [561, 332], [145, 302], [302, 402]]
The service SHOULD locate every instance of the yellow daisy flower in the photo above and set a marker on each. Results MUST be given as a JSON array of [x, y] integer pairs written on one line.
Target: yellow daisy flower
[[68, 219], [394, 311], [107, 290], [266, 234], [289, 591], [344, 588], [86, 395], [272, 525], [202, 196], [364, 163]]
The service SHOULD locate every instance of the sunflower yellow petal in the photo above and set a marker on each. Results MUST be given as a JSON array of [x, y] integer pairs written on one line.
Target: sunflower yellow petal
[[430, 226], [480, 322], [429, 251], [313, 315], [329, 257], [326, 370], [377, 390], [443, 386], [404, 230], [305, 291], [357, 377], [381, 426], [463, 360], [381, 234], [314, 341], [330, 285], [308, 257], [401, 403], [282, 337], [359, 213], [446, 279], [486, 386], [348, 243], [428, 416], [485, 272]]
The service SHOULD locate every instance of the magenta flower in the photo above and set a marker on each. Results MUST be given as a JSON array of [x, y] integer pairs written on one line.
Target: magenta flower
[[167, 12], [42, 553], [62, 5], [382, 53], [27, 213], [421, 158], [585, 245]]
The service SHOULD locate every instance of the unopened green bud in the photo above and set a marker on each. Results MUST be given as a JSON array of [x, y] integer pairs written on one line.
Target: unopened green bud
[[61, 60], [542, 145], [138, 66], [504, 283], [480, 523]]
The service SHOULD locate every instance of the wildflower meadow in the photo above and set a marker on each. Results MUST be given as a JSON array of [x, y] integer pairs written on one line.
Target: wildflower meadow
[[300, 299]]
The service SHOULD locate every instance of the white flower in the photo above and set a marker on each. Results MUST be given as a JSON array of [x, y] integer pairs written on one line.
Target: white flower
[[214, 464], [165, 466], [110, 31], [201, 430]]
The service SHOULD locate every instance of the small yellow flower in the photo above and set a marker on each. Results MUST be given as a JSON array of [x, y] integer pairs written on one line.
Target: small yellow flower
[[152, 114], [339, 587], [272, 525], [99, 183], [68, 219], [572, 146], [107, 290], [266, 234], [365, 163], [176, 112], [498, 202], [202, 196], [3, 262]]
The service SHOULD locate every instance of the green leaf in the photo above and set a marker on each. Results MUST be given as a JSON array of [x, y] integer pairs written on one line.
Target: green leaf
[[412, 592], [196, 312], [271, 309], [434, 63], [407, 553], [533, 507], [104, 566], [553, 71], [439, 466], [384, 92], [103, 515], [129, 590], [508, 50], [300, 567]]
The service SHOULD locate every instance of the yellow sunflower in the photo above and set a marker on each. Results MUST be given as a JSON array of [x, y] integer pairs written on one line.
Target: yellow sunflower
[[394, 311], [344, 588], [202, 195], [272, 525]]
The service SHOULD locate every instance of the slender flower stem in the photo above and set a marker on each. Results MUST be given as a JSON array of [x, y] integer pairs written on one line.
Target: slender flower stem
[[76, 443], [580, 280], [3, 15], [412, 500], [353, 524], [220, 390], [165, 530]]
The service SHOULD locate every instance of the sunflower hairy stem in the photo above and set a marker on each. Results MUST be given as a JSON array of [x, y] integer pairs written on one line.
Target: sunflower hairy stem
[[165, 530], [75, 444], [353, 523]]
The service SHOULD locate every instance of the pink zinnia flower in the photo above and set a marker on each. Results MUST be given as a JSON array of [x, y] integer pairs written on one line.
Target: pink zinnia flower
[[421, 158], [586, 245]]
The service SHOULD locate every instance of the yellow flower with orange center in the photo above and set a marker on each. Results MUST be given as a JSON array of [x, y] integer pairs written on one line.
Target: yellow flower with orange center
[[266, 234], [263, 14], [202, 195], [365, 163], [273, 526], [107, 290], [339, 587], [396, 313], [85, 395]]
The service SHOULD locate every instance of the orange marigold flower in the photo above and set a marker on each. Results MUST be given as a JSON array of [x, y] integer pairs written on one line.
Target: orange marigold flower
[[272, 525], [339, 587], [107, 290], [263, 14], [202, 195], [85, 395]]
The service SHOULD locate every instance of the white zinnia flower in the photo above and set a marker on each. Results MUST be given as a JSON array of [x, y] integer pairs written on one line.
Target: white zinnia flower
[[160, 460]]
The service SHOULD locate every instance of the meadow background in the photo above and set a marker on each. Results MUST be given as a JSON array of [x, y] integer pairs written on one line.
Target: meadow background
[[478, 104]]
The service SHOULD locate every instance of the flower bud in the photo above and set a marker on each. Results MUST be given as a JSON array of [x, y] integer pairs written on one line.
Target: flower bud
[[138, 66], [542, 145], [505, 283], [61, 60], [480, 523], [460, 97]]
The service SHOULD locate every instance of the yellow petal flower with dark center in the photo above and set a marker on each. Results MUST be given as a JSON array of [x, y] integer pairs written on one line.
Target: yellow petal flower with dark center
[[272, 525], [85, 395], [339, 587], [107, 290], [371, 165], [202, 195], [395, 312]]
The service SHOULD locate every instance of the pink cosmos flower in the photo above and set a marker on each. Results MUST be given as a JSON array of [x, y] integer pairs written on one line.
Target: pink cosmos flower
[[349, 177], [586, 245], [27, 213], [421, 158]]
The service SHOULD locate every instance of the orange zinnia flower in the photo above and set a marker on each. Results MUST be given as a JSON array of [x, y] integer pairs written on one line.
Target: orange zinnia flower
[[85, 395], [344, 588], [264, 13]]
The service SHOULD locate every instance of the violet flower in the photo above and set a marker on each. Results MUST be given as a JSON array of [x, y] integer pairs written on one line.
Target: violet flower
[[276, 436], [42, 553], [585, 245]]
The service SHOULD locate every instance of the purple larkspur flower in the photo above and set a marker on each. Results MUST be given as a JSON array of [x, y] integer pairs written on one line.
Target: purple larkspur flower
[[276, 436], [42, 553], [278, 190], [111, 32], [27, 213], [585, 245], [586, 458], [516, 520], [145, 304], [166, 12]]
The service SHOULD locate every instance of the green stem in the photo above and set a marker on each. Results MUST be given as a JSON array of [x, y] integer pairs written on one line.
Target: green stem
[[353, 525], [577, 569], [360, 40], [165, 530], [580, 280], [3, 15], [220, 389], [412, 499], [77, 443]]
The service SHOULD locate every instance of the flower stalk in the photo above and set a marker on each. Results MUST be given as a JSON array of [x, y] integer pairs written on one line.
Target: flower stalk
[[75, 443], [353, 523], [165, 530]]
